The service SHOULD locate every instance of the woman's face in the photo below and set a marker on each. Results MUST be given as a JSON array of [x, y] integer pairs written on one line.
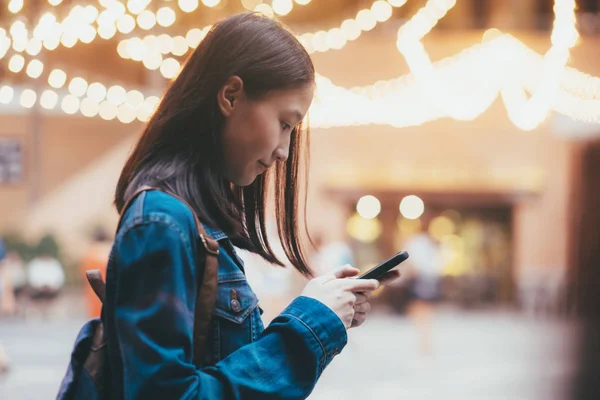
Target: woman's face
[[257, 132]]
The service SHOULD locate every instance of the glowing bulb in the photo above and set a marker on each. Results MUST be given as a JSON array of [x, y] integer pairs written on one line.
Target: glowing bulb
[[125, 23], [134, 98], [107, 110], [250, 4], [122, 49], [70, 104], [68, 39], [366, 20], [351, 29], [336, 38], [150, 105], [169, 68], [107, 31], [152, 61], [89, 107], [90, 13], [126, 114], [412, 207], [54, 2], [52, 42], [48, 99], [180, 46], [78, 87], [35, 68], [264, 9], [19, 44], [381, 11], [368, 207], [150, 43], [365, 230], [135, 49], [34, 47], [194, 37], [320, 41], [145, 111], [146, 20], [165, 43], [397, 3], [211, 3], [165, 16], [303, 2], [15, 6], [18, 28], [96, 91], [16, 63], [57, 78], [282, 7], [136, 6], [28, 98], [87, 34], [187, 5], [6, 94], [116, 95]]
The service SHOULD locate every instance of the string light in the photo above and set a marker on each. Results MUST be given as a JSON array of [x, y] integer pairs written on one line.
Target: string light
[[6, 94], [16, 63], [165, 16], [28, 98], [35, 69], [78, 86], [146, 20], [70, 104], [14, 6], [49, 99], [126, 24], [57, 78], [461, 87], [211, 3], [187, 6], [89, 107], [282, 7], [169, 68]]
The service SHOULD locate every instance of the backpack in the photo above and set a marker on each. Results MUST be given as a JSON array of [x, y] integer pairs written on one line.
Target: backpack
[[86, 376]]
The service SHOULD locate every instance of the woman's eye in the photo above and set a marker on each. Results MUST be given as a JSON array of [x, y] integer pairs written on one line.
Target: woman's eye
[[285, 126]]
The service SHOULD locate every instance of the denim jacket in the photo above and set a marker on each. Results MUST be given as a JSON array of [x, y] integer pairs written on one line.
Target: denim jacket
[[149, 308]]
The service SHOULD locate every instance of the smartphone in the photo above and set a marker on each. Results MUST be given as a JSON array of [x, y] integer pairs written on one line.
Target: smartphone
[[377, 271]]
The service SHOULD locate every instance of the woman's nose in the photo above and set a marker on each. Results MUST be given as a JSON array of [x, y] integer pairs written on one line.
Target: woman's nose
[[281, 153]]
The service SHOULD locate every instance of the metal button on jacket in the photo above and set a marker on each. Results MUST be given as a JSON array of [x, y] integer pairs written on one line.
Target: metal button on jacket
[[235, 303]]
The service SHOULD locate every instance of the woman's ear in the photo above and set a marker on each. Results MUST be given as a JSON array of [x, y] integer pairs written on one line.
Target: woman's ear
[[229, 94]]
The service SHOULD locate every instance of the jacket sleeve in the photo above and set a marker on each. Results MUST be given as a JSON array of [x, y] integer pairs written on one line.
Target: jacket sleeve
[[153, 308]]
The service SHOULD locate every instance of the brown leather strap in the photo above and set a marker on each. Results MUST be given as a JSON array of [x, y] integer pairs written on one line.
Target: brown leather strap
[[207, 284], [94, 277]]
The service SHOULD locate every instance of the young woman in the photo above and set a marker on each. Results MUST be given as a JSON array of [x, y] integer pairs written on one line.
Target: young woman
[[231, 119]]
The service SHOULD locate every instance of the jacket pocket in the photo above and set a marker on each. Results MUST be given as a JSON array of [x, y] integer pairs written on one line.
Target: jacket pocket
[[235, 300]]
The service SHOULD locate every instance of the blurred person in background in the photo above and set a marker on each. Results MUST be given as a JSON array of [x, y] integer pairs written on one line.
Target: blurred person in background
[[96, 258], [15, 268], [46, 277], [230, 121], [424, 268]]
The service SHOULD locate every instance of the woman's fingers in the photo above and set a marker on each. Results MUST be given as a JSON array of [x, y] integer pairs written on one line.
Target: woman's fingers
[[362, 297], [362, 307], [359, 319], [390, 277]]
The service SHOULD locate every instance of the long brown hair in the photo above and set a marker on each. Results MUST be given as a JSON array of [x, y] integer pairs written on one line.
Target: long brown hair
[[179, 149]]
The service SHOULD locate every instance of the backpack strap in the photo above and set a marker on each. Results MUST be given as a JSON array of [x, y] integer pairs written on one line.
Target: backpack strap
[[94, 277], [207, 284]]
